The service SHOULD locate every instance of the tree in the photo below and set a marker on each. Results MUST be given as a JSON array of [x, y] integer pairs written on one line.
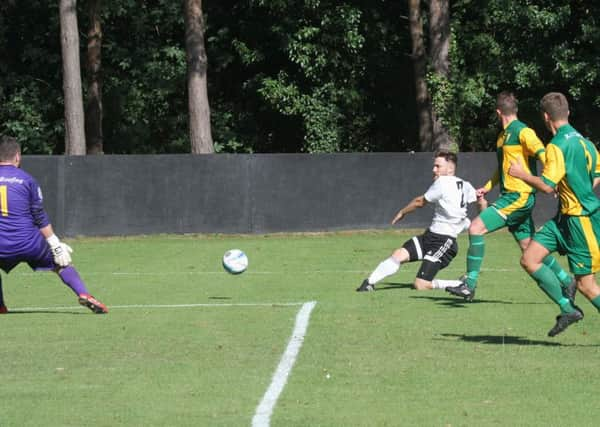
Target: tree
[[198, 107], [439, 41], [74, 118], [431, 71], [309, 76], [94, 109], [419, 59]]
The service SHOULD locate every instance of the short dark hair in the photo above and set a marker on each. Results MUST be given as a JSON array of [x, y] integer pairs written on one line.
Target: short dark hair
[[555, 104], [447, 155], [9, 148], [507, 103]]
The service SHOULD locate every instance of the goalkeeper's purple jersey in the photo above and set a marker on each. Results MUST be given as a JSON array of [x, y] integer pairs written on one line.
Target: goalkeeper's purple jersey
[[21, 212]]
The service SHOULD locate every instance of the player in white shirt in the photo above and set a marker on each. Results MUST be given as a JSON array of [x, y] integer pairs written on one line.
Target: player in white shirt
[[437, 246]]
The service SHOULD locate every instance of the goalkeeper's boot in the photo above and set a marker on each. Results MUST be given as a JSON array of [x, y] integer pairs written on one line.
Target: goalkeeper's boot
[[365, 287], [92, 303], [463, 291], [3, 309], [564, 321]]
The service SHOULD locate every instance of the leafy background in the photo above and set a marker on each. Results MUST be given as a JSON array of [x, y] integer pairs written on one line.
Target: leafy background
[[300, 76]]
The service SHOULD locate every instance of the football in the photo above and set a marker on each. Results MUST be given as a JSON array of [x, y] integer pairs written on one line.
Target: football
[[235, 261]]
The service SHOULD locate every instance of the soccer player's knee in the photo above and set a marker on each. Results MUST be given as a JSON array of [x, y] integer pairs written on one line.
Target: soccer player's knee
[[422, 285], [525, 262], [477, 227], [400, 255]]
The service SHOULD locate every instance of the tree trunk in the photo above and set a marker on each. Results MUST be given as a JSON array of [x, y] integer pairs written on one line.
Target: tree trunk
[[439, 36], [93, 110], [74, 119], [420, 70], [199, 110]]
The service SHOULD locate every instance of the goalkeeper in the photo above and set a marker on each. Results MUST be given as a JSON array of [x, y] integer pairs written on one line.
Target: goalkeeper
[[26, 234]]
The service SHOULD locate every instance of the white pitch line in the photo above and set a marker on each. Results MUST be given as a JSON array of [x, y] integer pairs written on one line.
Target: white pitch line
[[144, 306], [262, 416], [248, 273]]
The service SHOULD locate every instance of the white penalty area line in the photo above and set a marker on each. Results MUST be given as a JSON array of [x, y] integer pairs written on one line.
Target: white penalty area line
[[152, 306], [250, 272], [262, 416]]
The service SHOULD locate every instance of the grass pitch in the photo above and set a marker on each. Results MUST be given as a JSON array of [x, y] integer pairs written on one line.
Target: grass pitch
[[186, 344]]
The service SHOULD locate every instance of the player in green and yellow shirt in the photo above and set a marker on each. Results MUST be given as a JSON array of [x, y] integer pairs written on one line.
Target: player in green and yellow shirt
[[572, 170], [512, 209]]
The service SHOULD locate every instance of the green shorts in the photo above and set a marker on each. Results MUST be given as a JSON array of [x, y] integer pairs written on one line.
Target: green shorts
[[575, 236], [512, 210]]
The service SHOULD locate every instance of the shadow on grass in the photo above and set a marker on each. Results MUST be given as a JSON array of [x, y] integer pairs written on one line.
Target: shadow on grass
[[388, 286], [220, 298], [510, 340], [17, 311], [440, 296], [455, 301]]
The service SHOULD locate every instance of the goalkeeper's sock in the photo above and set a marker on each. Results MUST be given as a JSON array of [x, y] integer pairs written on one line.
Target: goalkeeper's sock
[[443, 284], [549, 283], [385, 268], [474, 259], [564, 277], [71, 278], [596, 302]]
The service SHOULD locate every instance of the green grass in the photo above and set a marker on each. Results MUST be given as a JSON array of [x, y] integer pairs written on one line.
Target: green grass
[[395, 357]]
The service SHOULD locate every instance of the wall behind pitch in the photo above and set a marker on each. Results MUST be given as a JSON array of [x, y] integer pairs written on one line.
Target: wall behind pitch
[[226, 193]]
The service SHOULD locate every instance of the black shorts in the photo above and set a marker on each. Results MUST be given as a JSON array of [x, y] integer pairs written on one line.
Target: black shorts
[[436, 251]]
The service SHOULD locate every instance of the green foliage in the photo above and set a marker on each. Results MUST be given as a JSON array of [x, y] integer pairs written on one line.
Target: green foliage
[[25, 117], [521, 46], [308, 76]]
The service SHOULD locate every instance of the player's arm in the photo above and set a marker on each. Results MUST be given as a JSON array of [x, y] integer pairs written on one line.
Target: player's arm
[[60, 251], [518, 171], [416, 203], [554, 171], [471, 196], [533, 144], [482, 203], [491, 183]]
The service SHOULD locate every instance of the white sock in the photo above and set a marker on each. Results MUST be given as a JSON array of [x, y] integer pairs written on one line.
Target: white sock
[[385, 268], [443, 284]]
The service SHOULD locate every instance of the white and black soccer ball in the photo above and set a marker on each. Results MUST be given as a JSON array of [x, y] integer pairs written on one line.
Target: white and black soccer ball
[[235, 261]]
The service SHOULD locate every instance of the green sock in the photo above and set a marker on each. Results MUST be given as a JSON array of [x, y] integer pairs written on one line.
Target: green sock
[[549, 283], [474, 259], [564, 277], [596, 302]]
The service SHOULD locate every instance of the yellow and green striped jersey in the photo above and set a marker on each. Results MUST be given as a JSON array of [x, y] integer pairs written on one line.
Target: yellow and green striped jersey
[[571, 166], [518, 143]]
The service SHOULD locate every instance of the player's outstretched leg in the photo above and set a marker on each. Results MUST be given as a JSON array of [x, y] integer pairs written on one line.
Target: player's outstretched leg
[[385, 268], [462, 290], [475, 254], [92, 303], [365, 286], [71, 278]]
